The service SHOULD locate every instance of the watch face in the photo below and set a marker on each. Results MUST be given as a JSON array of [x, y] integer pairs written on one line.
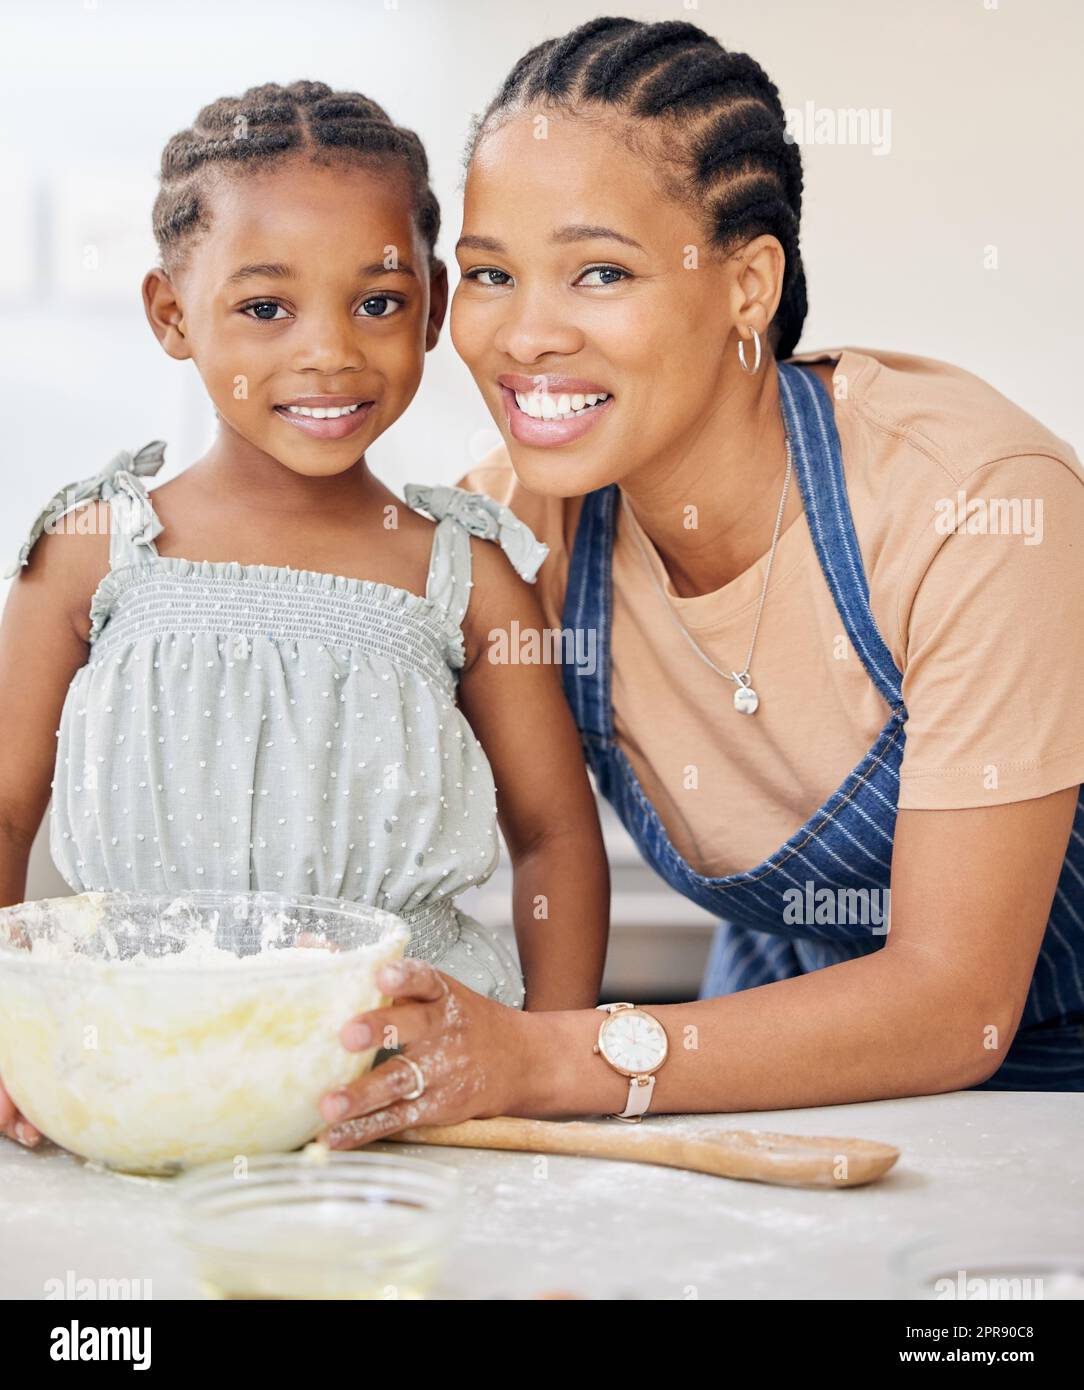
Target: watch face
[[633, 1041]]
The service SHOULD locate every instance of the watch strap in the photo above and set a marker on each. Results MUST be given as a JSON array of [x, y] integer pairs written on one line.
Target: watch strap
[[641, 1089]]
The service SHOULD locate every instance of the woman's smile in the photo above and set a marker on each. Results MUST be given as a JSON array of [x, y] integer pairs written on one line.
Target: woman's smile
[[548, 411]]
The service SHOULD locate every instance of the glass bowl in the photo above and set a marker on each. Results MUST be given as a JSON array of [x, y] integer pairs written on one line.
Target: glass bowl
[[321, 1224], [1014, 1260], [152, 1032]]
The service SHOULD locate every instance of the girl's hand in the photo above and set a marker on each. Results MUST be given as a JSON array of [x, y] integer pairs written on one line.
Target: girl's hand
[[464, 1044], [14, 1125]]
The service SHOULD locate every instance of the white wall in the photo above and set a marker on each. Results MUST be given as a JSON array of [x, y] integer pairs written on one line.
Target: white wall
[[984, 152]]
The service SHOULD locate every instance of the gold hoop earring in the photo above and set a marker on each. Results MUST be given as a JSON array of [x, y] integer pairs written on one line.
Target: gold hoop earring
[[751, 371]]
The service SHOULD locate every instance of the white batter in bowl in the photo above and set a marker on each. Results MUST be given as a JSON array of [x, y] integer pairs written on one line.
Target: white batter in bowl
[[151, 1033]]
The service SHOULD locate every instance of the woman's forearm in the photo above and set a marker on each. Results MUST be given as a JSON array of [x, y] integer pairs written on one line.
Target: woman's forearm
[[894, 1023]]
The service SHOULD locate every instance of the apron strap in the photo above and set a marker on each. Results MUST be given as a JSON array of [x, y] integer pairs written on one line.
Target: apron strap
[[818, 463], [589, 607]]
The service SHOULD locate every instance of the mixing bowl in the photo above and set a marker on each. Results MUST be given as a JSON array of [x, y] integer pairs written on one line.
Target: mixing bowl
[[152, 1032]]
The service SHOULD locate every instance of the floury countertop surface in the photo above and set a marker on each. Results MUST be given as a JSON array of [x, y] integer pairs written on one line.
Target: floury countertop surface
[[972, 1165]]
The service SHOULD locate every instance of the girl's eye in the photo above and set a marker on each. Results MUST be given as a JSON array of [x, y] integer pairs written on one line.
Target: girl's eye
[[379, 306], [603, 275], [253, 310], [499, 278]]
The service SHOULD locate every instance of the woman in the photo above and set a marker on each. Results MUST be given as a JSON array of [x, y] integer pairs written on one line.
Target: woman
[[838, 616]]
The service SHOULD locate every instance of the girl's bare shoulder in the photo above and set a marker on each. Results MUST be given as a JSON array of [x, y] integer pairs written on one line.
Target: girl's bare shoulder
[[66, 564]]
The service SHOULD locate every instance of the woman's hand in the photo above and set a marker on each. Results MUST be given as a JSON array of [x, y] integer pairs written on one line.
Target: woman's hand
[[14, 1125], [465, 1045]]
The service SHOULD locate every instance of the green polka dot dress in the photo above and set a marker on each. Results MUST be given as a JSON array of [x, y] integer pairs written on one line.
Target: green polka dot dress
[[255, 727]]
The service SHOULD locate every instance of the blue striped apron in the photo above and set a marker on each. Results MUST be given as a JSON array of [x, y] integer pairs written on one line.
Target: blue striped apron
[[767, 932]]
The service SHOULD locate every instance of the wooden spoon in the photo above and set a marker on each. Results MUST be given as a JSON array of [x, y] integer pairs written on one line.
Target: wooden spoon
[[791, 1160]]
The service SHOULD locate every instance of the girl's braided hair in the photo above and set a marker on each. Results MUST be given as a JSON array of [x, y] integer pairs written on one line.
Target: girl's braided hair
[[270, 123], [721, 121]]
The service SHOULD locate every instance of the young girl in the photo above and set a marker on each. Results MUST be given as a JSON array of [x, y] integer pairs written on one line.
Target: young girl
[[253, 676]]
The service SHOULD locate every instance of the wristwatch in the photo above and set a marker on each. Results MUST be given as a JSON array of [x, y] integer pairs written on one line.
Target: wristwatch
[[635, 1044]]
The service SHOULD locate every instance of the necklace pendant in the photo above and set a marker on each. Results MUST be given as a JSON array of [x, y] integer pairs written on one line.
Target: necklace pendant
[[746, 699]]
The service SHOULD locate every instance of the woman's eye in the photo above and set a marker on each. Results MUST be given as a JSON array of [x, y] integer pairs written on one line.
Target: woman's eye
[[253, 310], [497, 278], [602, 275], [379, 306]]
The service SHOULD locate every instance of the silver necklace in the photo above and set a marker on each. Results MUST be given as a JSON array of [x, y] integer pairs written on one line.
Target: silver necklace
[[746, 699]]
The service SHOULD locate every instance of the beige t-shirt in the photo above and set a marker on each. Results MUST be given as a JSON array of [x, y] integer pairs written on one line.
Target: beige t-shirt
[[986, 624]]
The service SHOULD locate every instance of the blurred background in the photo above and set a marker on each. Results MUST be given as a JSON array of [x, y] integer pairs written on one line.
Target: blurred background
[[949, 232]]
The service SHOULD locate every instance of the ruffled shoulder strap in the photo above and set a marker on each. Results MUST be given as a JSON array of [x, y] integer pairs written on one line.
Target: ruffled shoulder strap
[[461, 514], [134, 522]]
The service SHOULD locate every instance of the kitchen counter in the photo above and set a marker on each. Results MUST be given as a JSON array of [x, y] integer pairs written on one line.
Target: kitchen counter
[[971, 1163]]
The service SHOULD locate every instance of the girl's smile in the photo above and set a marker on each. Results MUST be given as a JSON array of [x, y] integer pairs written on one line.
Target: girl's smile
[[325, 417]]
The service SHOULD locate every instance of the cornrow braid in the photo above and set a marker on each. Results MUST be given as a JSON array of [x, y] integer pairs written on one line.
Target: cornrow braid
[[738, 163], [268, 123]]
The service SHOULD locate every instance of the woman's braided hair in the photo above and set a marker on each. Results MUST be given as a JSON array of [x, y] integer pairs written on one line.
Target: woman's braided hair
[[270, 123], [733, 158]]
